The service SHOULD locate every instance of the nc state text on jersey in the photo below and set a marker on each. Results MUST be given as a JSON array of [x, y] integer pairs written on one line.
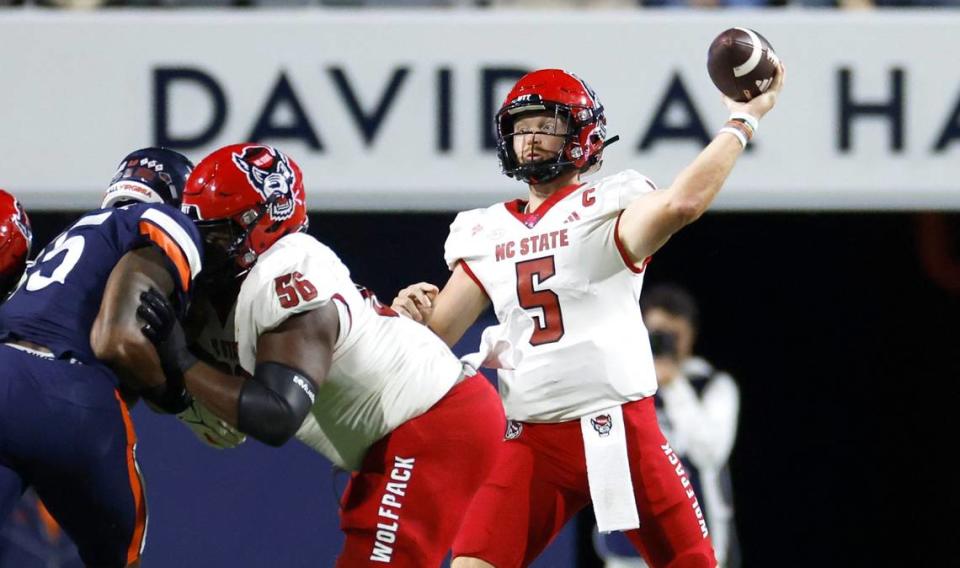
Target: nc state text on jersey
[[530, 245]]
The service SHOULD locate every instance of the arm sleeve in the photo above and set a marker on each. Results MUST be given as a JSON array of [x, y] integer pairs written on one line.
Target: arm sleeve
[[274, 403]]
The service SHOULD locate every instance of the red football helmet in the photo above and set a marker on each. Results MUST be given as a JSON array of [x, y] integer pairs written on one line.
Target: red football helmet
[[246, 196], [15, 240], [569, 98]]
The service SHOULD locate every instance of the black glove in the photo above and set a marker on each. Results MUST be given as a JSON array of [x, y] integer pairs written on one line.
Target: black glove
[[163, 329]]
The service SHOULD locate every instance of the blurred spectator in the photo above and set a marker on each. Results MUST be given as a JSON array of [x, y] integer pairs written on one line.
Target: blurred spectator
[[383, 3], [560, 4], [72, 4], [705, 3], [545, 4], [867, 4], [698, 409]]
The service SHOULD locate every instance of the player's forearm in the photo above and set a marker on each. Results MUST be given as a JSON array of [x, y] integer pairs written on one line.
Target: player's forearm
[[130, 356], [649, 221], [115, 336], [218, 391], [695, 188], [456, 307], [449, 329], [698, 184]]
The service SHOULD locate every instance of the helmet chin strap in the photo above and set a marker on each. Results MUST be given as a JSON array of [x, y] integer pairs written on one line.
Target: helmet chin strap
[[540, 172], [549, 170]]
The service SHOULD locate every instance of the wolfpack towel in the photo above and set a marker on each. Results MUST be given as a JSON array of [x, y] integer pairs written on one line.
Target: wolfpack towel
[[608, 470]]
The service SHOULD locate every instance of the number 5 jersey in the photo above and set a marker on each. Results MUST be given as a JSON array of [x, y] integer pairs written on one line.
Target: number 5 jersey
[[563, 266]]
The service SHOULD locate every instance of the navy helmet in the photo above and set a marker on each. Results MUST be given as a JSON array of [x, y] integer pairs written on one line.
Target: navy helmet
[[149, 175]]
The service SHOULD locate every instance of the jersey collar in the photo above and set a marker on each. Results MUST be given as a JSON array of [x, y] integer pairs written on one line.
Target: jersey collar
[[530, 220]]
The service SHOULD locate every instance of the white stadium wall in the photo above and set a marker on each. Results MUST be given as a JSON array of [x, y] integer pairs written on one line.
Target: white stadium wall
[[392, 110]]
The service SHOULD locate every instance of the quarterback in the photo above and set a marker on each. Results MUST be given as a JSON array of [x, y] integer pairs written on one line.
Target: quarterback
[[563, 270]]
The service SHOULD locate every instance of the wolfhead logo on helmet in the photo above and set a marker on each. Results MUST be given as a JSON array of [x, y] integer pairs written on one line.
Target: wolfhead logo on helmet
[[245, 197], [269, 172]]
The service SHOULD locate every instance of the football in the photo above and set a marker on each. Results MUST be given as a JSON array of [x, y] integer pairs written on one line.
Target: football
[[742, 63]]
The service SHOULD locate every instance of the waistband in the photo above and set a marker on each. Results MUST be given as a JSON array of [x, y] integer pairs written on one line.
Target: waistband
[[41, 352], [631, 407]]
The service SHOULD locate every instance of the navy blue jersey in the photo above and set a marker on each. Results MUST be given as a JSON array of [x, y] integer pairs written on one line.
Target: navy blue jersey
[[59, 296]]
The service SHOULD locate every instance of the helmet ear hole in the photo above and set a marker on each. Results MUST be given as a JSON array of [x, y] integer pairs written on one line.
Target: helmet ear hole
[[249, 217]]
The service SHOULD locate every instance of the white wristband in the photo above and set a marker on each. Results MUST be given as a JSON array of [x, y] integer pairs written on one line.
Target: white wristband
[[741, 137], [751, 121]]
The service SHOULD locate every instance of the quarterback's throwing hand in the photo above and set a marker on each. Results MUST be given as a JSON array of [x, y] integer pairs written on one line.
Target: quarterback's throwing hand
[[416, 301], [761, 105]]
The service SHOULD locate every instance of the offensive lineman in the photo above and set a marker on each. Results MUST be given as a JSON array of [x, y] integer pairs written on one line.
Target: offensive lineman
[[325, 361]]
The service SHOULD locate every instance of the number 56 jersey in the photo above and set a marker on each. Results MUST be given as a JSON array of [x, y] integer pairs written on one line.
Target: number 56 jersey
[[564, 267], [386, 369]]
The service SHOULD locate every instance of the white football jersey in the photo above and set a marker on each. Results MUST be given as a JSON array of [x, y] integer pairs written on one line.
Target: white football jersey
[[386, 369], [217, 337], [564, 267]]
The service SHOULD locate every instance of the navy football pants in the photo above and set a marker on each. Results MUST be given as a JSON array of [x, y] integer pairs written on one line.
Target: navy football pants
[[65, 431]]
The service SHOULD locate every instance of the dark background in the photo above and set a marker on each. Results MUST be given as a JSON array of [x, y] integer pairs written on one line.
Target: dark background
[[840, 330]]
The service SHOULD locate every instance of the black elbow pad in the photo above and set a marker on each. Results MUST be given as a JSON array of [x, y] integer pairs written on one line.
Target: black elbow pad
[[274, 403]]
